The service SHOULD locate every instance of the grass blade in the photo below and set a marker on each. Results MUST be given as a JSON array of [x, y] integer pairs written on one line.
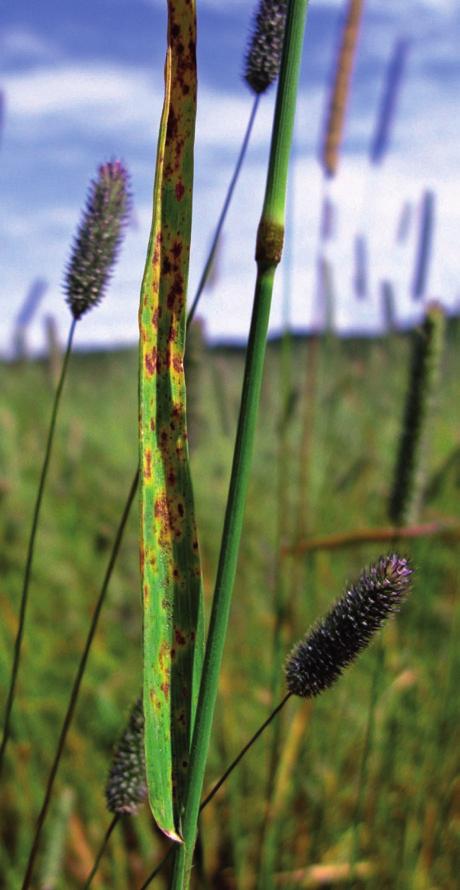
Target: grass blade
[[171, 577]]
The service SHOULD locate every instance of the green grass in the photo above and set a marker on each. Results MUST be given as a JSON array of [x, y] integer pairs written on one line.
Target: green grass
[[409, 831]]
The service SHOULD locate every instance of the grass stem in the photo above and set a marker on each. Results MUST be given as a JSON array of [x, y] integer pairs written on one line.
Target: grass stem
[[112, 825], [31, 548], [77, 684]]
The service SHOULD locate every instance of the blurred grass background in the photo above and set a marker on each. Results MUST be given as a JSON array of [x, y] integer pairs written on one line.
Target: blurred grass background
[[406, 830]]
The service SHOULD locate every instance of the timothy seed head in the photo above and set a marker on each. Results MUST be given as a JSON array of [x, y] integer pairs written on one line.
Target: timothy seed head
[[263, 57], [98, 238], [126, 785], [335, 118], [319, 659]]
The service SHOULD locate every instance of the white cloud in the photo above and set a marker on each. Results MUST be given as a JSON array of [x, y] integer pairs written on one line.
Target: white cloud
[[67, 88], [21, 44]]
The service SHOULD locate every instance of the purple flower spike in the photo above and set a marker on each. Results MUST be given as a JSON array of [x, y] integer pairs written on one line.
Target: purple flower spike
[[98, 238], [319, 659]]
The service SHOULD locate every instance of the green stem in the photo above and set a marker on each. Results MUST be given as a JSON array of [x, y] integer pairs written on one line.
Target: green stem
[[268, 252], [31, 548], [223, 213], [77, 683]]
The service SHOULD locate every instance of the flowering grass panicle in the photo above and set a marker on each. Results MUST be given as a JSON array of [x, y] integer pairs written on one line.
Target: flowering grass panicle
[[126, 785], [263, 57], [98, 238], [319, 659]]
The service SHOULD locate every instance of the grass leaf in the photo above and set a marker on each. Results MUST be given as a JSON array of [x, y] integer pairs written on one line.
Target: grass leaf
[[171, 577]]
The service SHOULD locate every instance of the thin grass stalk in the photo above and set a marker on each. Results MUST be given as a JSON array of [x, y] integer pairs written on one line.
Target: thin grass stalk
[[112, 825], [268, 253], [31, 548], [76, 686], [223, 213]]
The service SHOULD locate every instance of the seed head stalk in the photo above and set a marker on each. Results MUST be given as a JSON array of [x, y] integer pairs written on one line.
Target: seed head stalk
[[31, 548], [268, 253], [76, 689]]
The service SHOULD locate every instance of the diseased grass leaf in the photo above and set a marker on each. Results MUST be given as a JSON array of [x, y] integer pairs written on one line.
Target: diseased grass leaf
[[171, 577]]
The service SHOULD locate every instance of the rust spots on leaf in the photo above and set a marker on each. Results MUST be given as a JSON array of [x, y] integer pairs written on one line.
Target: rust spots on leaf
[[175, 297], [161, 507], [148, 464], [179, 637], [180, 190], [151, 361]]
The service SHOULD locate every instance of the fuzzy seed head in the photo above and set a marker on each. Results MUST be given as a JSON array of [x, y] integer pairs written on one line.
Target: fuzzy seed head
[[126, 785], [98, 238], [319, 659], [263, 57]]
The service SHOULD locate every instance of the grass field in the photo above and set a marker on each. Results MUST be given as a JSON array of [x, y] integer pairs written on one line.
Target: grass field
[[395, 812]]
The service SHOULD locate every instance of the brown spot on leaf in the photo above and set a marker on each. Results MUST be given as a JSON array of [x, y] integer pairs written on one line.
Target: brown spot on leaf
[[180, 639], [148, 464], [150, 361]]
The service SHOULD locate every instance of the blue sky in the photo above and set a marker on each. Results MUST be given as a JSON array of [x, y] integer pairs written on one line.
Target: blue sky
[[83, 83]]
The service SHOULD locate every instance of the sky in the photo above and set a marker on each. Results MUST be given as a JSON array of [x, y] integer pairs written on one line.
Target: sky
[[82, 83]]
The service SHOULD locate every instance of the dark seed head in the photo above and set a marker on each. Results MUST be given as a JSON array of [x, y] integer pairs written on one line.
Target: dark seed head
[[318, 660], [263, 57], [98, 238], [126, 785]]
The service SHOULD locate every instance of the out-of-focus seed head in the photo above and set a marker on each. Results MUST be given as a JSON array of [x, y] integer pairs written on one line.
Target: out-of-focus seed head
[[98, 238], [409, 481], [318, 660], [263, 57], [126, 785]]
